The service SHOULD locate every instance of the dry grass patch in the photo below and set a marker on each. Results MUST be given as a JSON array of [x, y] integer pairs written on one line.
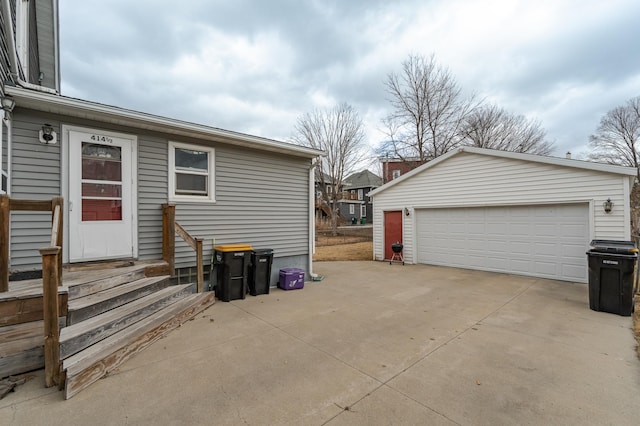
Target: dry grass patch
[[350, 244], [350, 251]]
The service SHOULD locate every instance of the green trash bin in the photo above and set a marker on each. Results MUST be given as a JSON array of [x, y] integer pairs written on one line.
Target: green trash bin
[[363, 221]]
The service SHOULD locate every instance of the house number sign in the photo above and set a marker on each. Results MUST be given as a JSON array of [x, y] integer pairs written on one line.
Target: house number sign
[[100, 138]]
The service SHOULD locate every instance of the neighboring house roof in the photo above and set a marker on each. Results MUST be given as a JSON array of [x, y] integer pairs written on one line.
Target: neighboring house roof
[[579, 164], [73, 107], [363, 179]]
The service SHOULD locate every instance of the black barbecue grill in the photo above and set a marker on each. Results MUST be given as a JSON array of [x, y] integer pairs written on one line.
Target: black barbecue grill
[[397, 253]]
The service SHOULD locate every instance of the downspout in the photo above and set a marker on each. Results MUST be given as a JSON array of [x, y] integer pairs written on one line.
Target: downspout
[[13, 55], [312, 216]]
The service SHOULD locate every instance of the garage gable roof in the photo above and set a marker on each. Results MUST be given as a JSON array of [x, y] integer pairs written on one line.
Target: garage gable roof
[[73, 107], [563, 162]]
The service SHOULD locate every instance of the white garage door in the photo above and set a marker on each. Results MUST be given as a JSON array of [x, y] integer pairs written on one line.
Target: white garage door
[[542, 241]]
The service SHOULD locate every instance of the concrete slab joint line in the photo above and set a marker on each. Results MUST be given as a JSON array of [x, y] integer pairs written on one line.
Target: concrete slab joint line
[[372, 345]]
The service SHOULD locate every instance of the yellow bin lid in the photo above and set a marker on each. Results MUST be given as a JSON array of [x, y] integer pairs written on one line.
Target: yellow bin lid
[[233, 247]]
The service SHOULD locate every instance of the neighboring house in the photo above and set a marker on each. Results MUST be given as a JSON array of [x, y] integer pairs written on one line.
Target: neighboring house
[[115, 168], [502, 211], [356, 203], [393, 168]]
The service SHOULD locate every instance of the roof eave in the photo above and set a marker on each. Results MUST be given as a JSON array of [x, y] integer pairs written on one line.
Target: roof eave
[[79, 108]]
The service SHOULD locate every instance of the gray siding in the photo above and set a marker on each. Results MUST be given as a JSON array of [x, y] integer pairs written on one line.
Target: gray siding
[[35, 175], [46, 44], [261, 197], [4, 51]]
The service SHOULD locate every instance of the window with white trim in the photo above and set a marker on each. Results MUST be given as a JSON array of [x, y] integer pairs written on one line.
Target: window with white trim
[[360, 194], [351, 209], [191, 173], [363, 211], [395, 174]]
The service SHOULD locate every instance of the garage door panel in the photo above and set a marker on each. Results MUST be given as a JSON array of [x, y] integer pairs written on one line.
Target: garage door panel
[[545, 241]]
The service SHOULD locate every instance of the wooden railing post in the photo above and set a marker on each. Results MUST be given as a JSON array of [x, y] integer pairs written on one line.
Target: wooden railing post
[[50, 283], [5, 214], [57, 223], [169, 235], [199, 265]]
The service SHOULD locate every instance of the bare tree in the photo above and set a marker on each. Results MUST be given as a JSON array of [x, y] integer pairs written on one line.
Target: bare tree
[[617, 138], [338, 132], [428, 110], [494, 128]]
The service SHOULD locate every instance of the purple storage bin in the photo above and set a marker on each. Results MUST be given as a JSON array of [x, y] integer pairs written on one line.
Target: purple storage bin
[[291, 278]]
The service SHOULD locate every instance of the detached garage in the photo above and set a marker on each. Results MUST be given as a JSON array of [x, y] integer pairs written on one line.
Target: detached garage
[[504, 212]]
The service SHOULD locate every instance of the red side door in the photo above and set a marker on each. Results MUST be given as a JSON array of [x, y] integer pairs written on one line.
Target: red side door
[[392, 231]]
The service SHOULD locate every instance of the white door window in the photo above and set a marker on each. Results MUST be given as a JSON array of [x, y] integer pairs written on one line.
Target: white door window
[[101, 197]]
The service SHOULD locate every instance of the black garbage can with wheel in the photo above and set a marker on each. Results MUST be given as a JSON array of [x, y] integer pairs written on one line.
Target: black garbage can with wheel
[[611, 272], [260, 271], [231, 271]]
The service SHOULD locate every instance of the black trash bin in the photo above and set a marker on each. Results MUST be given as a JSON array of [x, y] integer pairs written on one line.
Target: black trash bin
[[611, 267], [231, 271], [260, 271]]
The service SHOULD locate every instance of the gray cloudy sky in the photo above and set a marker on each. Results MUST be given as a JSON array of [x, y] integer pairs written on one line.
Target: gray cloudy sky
[[254, 66]]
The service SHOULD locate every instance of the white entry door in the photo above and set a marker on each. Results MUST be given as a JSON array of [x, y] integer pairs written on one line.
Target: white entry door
[[101, 197]]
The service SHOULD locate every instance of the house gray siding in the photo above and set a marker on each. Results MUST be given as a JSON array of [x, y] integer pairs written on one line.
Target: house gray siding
[[35, 175], [261, 197], [46, 45], [4, 52]]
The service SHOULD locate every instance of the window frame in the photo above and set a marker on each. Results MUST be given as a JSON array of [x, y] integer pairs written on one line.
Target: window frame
[[352, 209], [210, 196], [363, 211], [360, 194], [395, 174]]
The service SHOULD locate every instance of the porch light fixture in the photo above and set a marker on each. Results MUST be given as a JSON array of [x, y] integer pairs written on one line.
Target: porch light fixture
[[47, 136], [607, 205], [7, 103], [406, 211]]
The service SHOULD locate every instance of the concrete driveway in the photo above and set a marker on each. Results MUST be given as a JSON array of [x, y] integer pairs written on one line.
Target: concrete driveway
[[373, 344]]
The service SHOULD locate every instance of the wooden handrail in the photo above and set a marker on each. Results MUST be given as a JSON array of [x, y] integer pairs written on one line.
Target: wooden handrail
[[7, 205], [169, 229]]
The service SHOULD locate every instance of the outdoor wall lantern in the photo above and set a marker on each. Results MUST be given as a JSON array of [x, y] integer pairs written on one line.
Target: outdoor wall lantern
[[406, 211], [607, 205], [7, 103], [47, 136]]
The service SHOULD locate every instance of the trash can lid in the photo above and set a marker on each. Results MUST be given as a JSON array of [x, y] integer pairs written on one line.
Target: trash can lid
[[613, 246], [233, 247], [262, 251]]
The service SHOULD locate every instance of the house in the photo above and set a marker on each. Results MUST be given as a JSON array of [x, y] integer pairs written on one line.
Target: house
[[103, 183], [502, 211], [393, 168], [357, 204], [228, 187]]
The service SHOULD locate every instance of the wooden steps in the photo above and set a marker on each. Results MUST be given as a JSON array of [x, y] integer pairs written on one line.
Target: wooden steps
[[114, 314], [99, 360], [82, 308], [107, 316], [77, 337]]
